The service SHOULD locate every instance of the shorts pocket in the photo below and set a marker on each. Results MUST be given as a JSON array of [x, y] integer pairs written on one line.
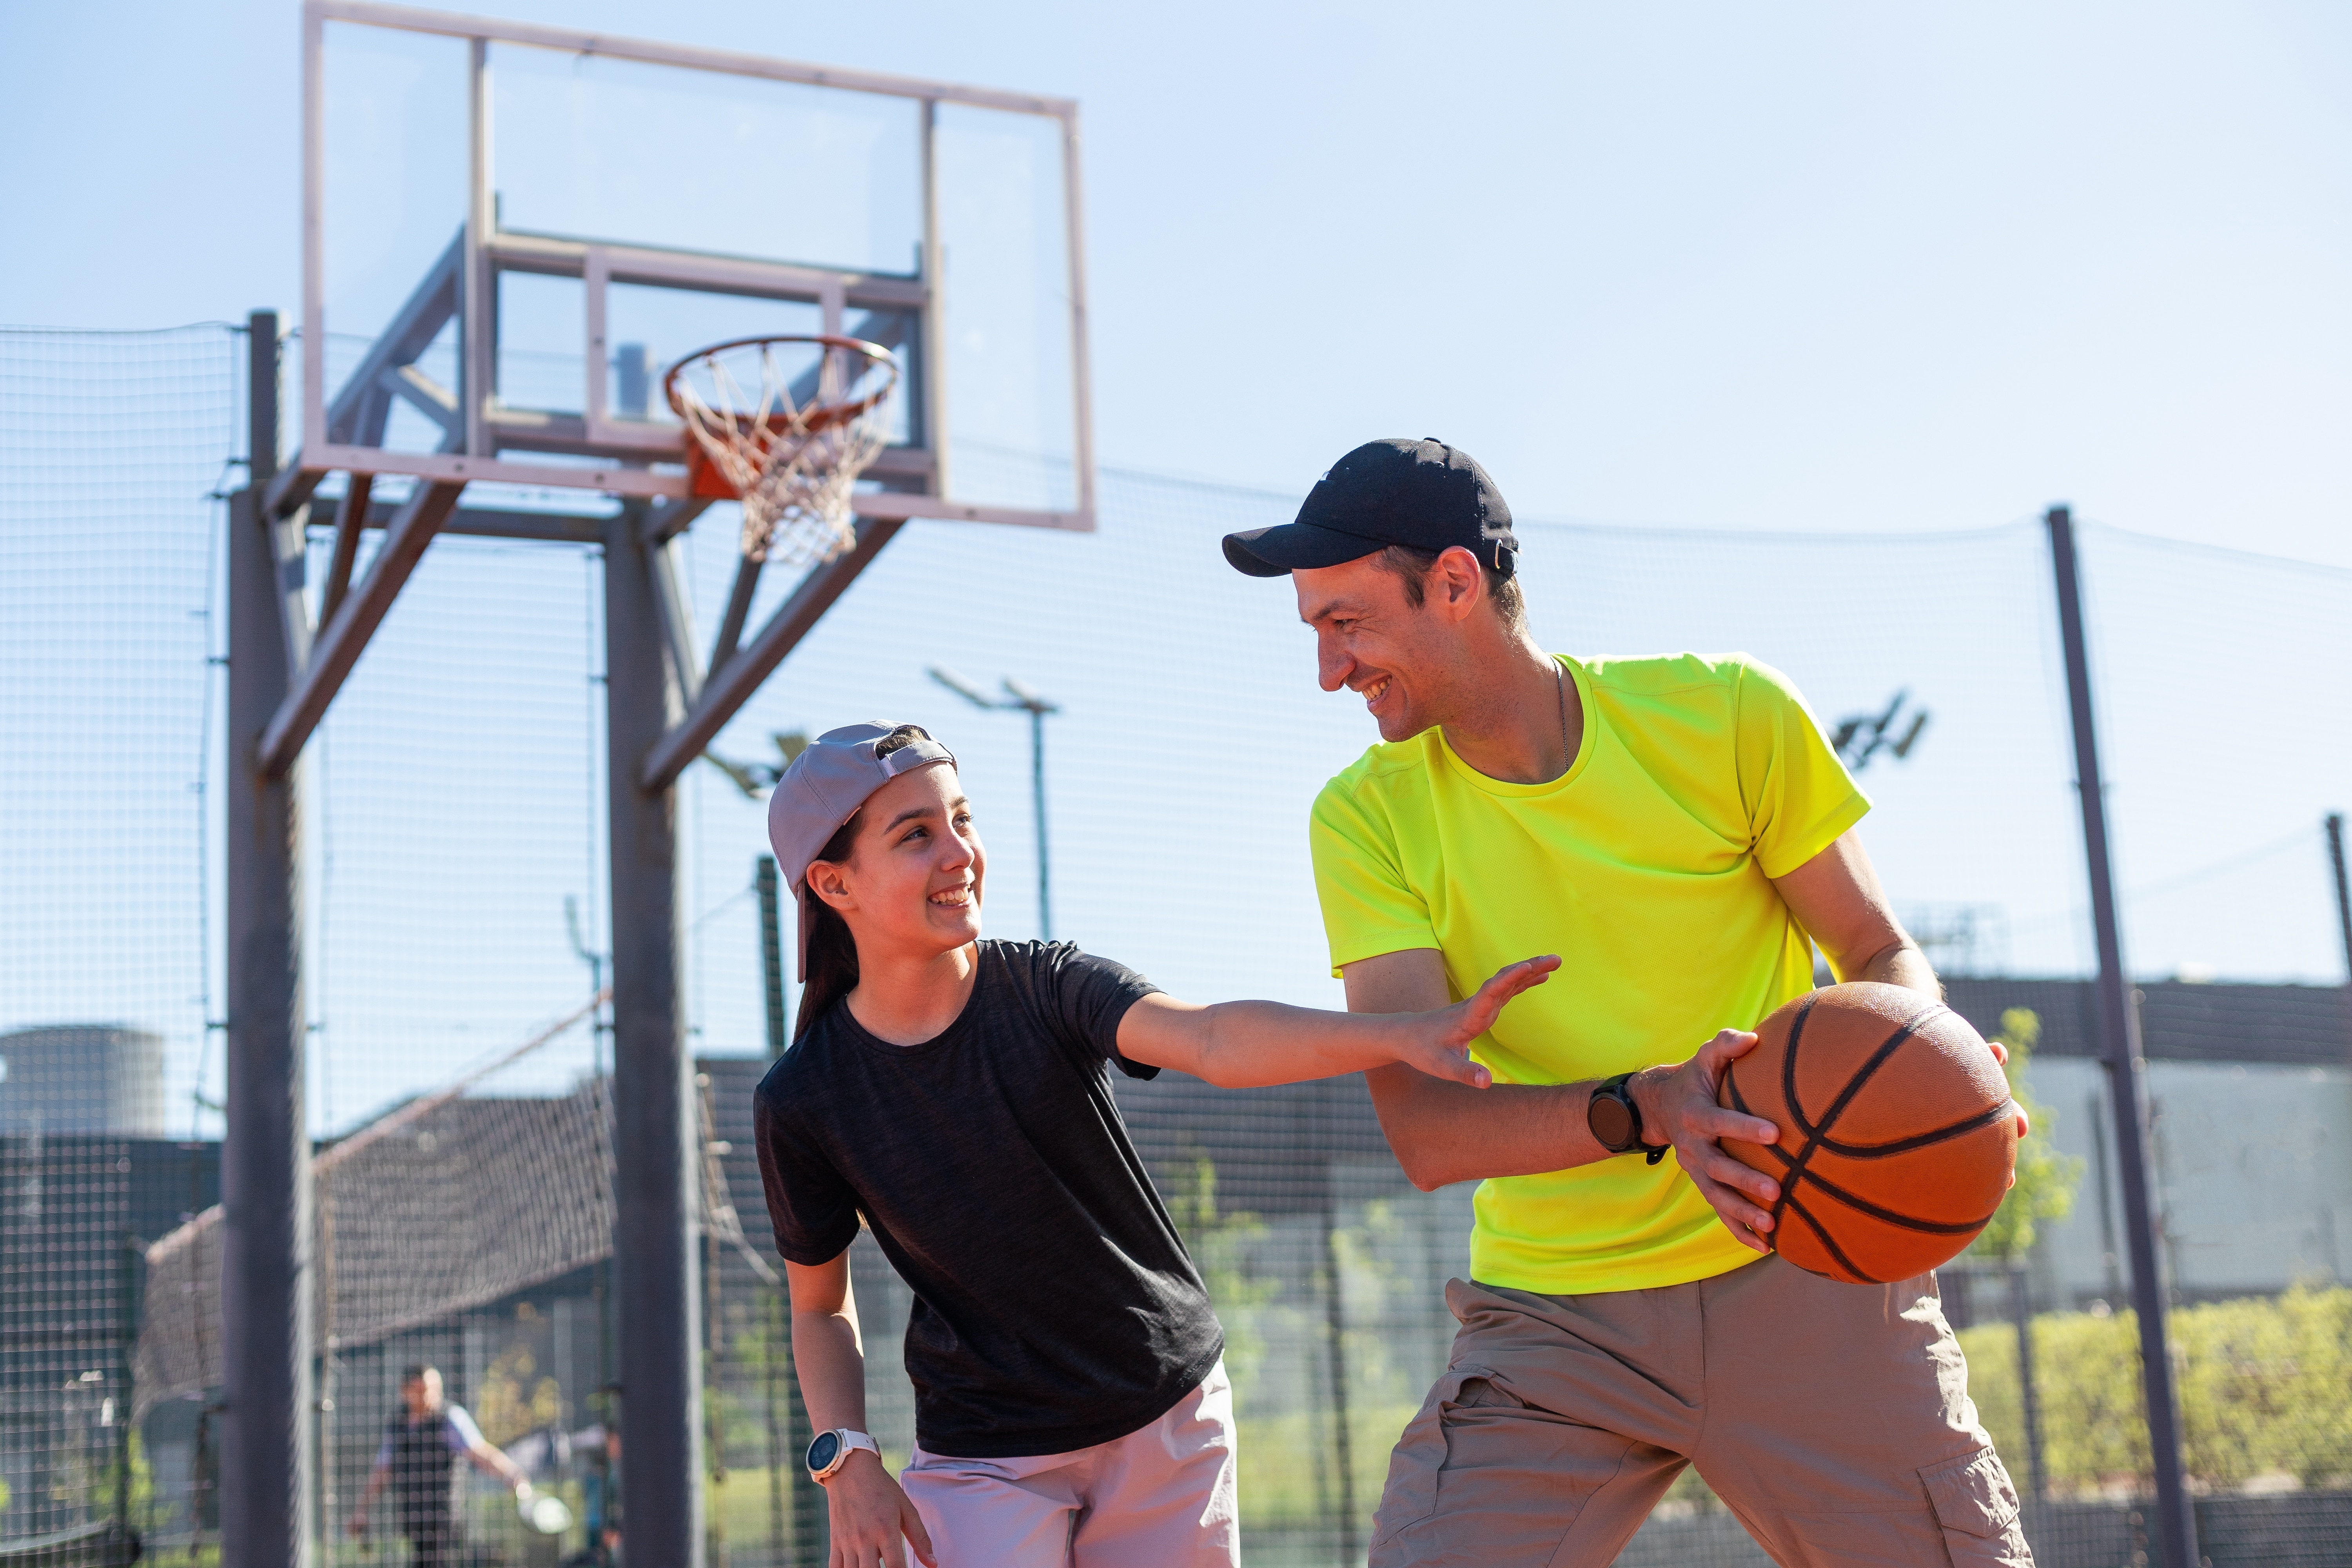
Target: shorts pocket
[[1409, 1494], [1976, 1505]]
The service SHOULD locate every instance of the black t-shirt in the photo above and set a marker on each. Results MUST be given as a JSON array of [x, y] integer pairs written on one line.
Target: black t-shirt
[[1055, 1308]]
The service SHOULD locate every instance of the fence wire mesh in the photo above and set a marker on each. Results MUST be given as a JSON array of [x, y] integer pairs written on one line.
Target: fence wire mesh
[[454, 802]]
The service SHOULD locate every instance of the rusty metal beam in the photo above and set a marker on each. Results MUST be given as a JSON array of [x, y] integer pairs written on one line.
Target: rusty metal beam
[[727, 689], [344, 639]]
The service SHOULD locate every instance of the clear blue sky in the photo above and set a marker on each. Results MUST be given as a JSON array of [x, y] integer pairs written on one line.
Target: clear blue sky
[[1841, 266], [1826, 270]]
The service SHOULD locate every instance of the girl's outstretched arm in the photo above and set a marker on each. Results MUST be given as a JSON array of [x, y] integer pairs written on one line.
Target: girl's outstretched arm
[[1243, 1045]]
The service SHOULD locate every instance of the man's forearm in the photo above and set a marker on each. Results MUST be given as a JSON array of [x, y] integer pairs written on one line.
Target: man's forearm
[[1444, 1132]]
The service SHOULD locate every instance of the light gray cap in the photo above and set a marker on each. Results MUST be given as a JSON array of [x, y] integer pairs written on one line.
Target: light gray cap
[[824, 786]]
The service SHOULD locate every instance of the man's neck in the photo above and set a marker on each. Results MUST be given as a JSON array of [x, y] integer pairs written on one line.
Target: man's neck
[[1521, 720], [905, 1001]]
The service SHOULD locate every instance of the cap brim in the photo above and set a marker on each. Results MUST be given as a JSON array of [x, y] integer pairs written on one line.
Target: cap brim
[[1290, 547]]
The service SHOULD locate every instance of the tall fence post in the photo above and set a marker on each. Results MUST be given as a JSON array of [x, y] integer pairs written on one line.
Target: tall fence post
[[771, 951], [2020, 1312], [2126, 1069], [793, 1492], [655, 1153], [2342, 914], [264, 1482]]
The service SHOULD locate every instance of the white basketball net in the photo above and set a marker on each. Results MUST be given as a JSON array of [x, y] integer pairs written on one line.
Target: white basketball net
[[795, 481]]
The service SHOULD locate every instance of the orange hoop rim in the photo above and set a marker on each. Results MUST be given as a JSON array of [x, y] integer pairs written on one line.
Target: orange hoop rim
[[824, 415]]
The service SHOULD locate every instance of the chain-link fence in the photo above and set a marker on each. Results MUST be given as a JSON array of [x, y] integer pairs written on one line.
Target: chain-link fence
[[455, 827]]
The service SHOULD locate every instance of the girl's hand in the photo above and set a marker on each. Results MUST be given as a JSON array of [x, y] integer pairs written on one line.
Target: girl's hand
[[1439, 1042], [870, 1515]]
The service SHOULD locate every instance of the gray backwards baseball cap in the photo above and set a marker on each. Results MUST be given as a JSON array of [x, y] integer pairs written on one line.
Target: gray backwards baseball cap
[[825, 785]]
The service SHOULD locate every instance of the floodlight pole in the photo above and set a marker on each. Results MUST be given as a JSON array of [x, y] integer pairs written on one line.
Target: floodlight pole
[[1020, 699], [2342, 895], [265, 1456], [2127, 1070], [1037, 711]]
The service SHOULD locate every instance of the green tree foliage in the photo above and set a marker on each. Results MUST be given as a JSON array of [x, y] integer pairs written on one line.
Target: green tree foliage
[[2264, 1388], [2046, 1179], [2262, 1385]]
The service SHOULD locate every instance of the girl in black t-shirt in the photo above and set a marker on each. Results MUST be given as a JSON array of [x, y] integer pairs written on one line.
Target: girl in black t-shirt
[[953, 1094]]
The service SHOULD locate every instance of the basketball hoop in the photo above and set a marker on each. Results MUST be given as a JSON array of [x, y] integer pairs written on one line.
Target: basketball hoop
[[787, 433]]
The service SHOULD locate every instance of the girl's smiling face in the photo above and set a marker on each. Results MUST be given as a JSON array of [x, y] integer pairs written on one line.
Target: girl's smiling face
[[911, 883]]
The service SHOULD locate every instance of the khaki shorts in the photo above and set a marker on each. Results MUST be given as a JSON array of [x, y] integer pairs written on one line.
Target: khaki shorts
[[1834, 1421], [1159, 1498]]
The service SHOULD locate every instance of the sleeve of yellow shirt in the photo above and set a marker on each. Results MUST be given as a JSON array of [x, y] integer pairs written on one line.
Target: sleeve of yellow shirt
[[1368, 909], [1799, 796]]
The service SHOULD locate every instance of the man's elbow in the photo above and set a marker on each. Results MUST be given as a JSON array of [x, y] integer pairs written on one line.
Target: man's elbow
[[1421, 1153], [1422, 1163], [1424, 1178]]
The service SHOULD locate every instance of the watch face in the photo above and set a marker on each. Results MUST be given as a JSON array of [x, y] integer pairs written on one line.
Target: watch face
[[824, 1451], [1612, 1122]]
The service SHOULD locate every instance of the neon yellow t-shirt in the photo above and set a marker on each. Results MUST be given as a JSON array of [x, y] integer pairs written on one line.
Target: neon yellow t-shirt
[[1647, 867]]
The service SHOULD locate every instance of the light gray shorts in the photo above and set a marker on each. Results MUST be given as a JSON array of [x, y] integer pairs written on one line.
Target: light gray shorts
[[1163, 1496], [1834, 1420]]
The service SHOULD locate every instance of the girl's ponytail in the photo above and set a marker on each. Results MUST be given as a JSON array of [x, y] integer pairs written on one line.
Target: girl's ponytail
[[829, 970]]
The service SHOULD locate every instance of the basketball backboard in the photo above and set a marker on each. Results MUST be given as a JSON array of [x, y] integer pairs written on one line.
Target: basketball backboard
[[511, 232]]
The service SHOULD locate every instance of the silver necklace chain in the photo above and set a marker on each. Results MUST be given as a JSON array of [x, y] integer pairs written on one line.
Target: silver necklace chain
[[1559, 679]]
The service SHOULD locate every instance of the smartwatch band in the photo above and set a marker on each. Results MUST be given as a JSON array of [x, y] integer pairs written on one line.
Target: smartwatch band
[[1612, 1090], [845, 1443]]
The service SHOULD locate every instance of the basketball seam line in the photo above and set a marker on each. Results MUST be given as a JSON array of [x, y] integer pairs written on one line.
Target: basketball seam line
[[1928, 1226], [1983, 1119], [1814, 1133], [1905, 1145], [1821, 1232]]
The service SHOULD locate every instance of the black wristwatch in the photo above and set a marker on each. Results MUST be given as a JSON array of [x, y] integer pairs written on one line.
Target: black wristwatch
[[1616, 1120]]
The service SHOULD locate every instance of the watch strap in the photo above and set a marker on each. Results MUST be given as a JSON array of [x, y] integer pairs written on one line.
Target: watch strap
[[851, 1441], [1614, 1089]]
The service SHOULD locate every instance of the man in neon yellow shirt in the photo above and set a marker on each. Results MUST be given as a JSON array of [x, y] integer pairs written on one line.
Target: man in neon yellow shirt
[[1677, 830]]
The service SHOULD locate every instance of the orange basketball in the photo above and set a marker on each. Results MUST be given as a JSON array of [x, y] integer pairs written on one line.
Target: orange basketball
[[1897, 1135]]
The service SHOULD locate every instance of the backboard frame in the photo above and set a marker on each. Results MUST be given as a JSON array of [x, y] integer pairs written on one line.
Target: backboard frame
[[479, 427]]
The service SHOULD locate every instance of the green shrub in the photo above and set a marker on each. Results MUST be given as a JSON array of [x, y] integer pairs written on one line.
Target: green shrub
[[2263, 1384]]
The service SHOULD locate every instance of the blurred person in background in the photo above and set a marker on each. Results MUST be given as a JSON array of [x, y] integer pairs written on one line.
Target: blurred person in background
[[418, 1461]]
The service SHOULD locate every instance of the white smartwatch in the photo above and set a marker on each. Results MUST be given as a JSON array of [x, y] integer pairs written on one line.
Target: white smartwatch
[[832, 1450]]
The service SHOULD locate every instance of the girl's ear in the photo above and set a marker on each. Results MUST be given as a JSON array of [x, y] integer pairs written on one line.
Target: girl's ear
[[825, 881]]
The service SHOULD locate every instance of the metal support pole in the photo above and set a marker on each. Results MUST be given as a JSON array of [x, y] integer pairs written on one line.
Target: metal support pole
[[653, 1098], [266, 1460], [2342, 908], [1335, 1326], [780, 1537], [126, 1262], [2127, 1075], [1037, 789], [771, 951], [795, 1497], [2021, 1312]]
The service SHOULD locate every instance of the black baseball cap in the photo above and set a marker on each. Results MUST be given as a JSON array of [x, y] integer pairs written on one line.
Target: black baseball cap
[[1421, 494]]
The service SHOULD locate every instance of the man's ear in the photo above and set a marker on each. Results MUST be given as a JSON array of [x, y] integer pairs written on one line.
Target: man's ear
[[824, 879], [1455, 583]]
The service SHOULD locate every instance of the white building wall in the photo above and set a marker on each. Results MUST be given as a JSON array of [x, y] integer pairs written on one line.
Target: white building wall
[[2254, 1171]]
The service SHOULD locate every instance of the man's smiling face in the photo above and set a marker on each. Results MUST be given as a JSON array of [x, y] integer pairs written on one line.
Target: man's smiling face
[[1369, 639]]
